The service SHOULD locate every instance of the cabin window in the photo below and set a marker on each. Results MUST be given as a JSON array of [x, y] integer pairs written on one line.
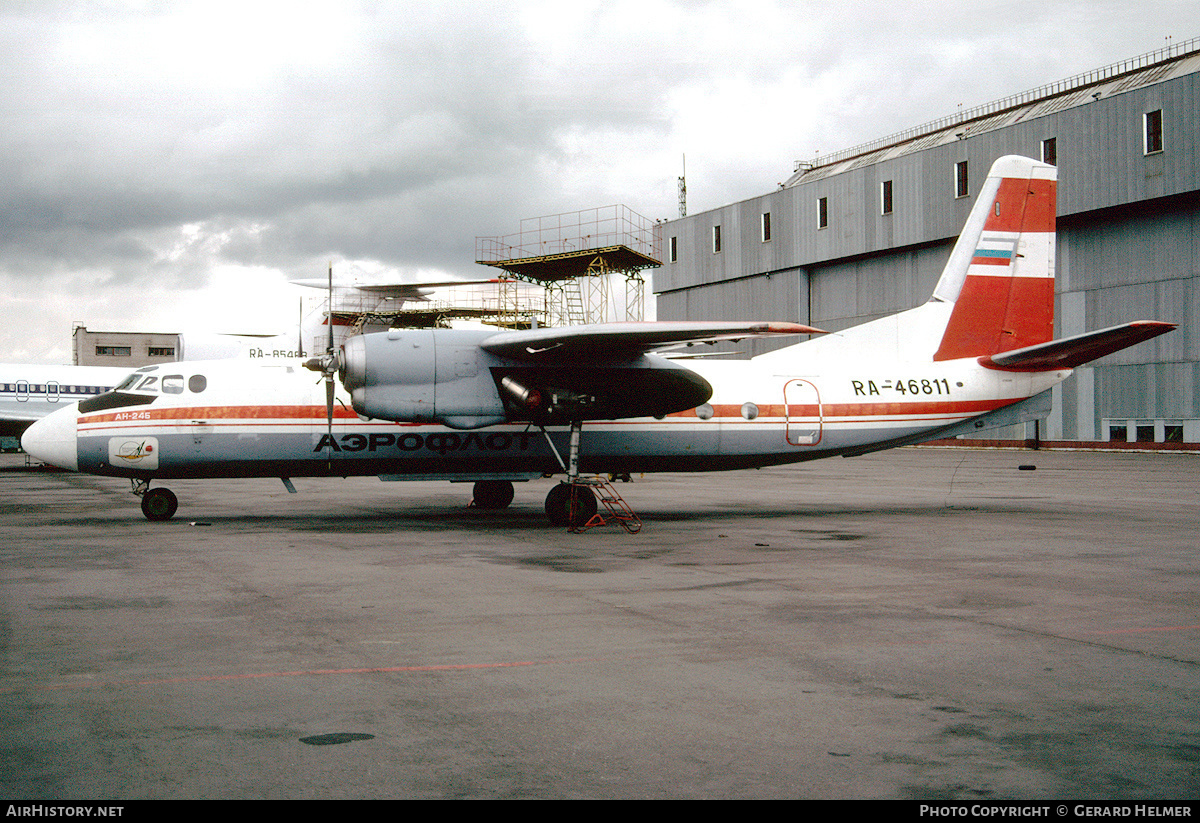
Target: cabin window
[[1154, 133], [197, 383]]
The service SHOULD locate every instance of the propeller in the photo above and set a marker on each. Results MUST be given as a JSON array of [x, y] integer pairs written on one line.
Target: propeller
[[328, 367]]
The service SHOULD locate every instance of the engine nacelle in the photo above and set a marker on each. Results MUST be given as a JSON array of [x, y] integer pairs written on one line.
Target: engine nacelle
[[443, 376], [422, 376]]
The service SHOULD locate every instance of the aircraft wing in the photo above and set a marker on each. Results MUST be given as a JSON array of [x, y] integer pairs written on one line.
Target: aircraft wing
[[1077, 350], [607, 340], [546, 376]]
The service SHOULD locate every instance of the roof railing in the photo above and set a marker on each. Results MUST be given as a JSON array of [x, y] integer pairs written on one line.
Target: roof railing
[[1169, 52]]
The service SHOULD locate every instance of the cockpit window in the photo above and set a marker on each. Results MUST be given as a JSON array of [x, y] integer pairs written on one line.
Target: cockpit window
[[172, 384], [114, 400]]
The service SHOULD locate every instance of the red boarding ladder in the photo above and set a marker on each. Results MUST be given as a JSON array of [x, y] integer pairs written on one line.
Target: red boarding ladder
[[618, 509]]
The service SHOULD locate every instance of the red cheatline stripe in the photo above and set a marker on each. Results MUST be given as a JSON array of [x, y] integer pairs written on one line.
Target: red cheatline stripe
[[189, 413], [308, 415]]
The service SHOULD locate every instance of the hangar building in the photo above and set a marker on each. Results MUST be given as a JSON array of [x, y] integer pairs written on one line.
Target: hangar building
[[865, 232]]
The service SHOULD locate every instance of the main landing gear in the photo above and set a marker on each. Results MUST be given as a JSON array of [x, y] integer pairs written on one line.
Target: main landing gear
[[574, 502], [570, 504]]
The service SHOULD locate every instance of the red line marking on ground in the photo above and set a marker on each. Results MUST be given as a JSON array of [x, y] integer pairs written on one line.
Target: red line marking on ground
[[1150, 629], [444, 667]]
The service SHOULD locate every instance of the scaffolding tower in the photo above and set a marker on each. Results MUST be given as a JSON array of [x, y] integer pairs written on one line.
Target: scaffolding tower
[[577, 258]]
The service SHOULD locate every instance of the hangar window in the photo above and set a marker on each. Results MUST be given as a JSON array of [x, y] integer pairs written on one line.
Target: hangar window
[[1154, 135], [822, 212], [960, 179], [1050, 151], [766, 227], [885, 197], [161, 351], [716, 239], [674, 250], [113, 351]]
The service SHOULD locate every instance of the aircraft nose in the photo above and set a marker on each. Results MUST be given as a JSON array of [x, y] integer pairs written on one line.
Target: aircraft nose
[[52, 439]]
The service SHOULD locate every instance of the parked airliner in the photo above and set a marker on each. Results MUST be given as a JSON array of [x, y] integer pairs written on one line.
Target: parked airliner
[[499, 406], [30, 392]]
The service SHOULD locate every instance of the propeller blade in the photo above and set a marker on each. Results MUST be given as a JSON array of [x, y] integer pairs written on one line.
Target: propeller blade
[[329, 347], [329, 421]]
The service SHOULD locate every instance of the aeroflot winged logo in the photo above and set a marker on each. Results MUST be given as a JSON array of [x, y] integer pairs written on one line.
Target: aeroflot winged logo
[[133, 452]]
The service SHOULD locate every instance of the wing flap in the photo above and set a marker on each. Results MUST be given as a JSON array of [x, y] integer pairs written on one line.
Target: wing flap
[[620, 340], [1077, 350]]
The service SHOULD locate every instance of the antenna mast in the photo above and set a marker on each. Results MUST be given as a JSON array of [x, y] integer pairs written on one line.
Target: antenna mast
[[683, 190]]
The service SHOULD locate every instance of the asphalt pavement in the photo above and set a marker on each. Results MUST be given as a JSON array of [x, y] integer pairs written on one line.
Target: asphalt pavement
[[939, 624]]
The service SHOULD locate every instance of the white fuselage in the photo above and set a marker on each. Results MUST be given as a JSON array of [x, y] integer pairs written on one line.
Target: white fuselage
[[240, 419]]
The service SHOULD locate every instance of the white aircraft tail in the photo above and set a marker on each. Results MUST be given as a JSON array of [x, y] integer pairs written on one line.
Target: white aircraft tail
[[1000, 276]]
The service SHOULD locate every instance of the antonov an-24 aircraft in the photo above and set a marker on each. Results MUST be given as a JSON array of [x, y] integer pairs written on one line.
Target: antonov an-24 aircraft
[[499, 406]]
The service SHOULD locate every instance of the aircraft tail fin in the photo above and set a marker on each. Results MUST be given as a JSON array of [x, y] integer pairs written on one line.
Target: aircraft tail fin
[[1000, 276]]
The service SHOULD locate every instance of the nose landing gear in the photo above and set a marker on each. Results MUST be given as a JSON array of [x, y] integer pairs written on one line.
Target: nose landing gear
[[157, 503]]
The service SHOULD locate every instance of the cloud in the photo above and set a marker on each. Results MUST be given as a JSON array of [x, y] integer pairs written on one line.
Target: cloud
[[162, 148]]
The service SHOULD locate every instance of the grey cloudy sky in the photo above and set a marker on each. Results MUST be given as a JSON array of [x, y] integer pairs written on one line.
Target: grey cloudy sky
[[168, 166]]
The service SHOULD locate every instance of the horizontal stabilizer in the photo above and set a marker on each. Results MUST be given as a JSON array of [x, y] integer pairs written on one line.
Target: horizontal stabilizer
[[1077, 350], [393, 291], [625, 339]]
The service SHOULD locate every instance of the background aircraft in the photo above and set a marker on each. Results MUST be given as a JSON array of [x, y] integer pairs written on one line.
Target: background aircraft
[[29, 392], [512, 405]]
